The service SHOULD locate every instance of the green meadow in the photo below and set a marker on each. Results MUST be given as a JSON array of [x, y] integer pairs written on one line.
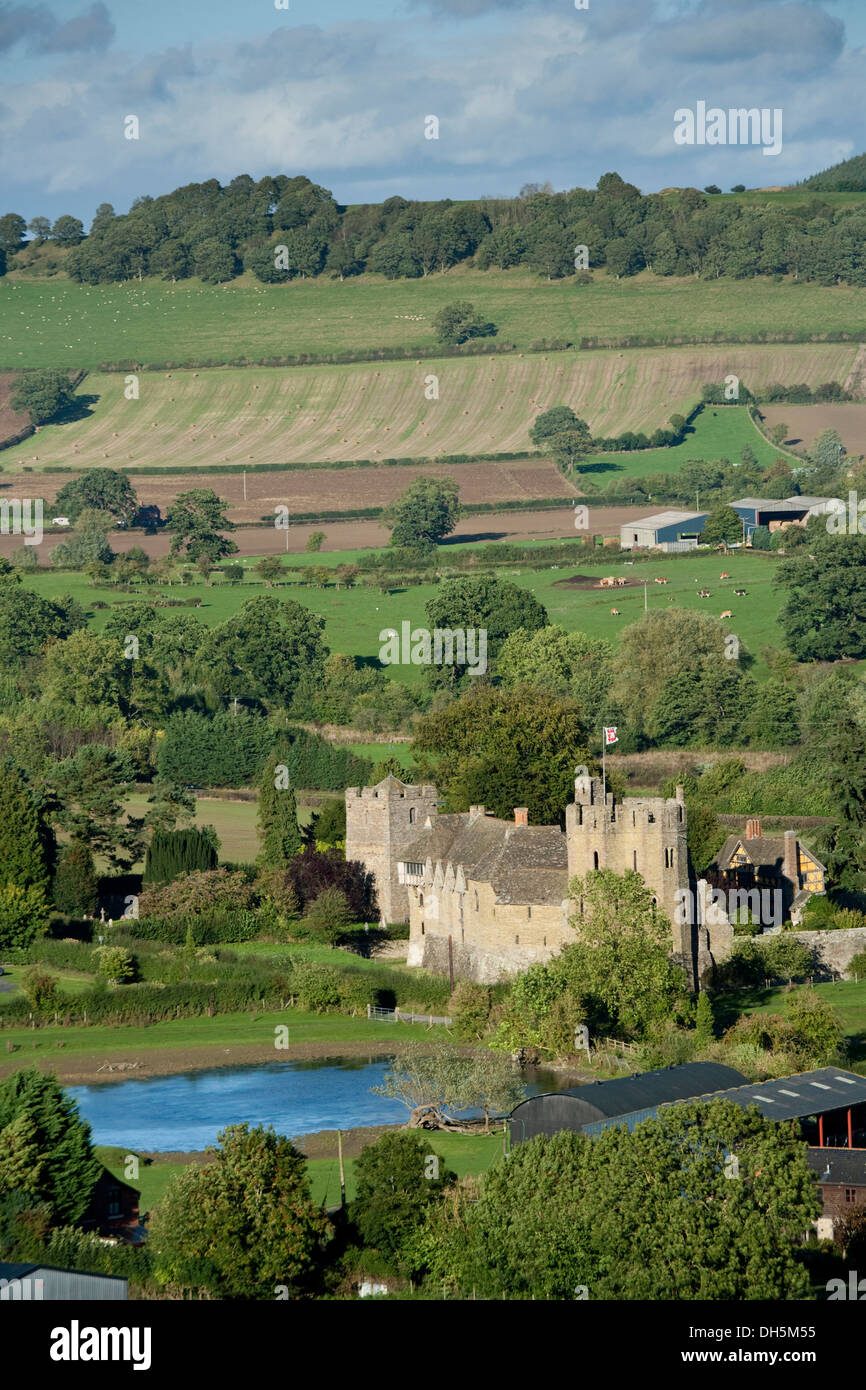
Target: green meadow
[[62, 324], [462, 1153], [717, 433], [355, 617]]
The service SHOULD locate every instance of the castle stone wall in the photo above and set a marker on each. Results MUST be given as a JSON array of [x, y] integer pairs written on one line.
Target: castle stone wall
[[380, 822]]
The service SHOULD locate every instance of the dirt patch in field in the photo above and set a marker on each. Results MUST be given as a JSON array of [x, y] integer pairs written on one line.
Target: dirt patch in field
[[592, 581], [805, 423]]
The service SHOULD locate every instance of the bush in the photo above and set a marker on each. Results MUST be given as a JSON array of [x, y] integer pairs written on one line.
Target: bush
[[470, 1009], [328, 915], [116, 964], [317, 988], [200, 892], [40, 989], [175, 852]]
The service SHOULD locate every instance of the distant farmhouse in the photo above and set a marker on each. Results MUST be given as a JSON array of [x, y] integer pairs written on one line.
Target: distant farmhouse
[[754, 861], [489, 897], [674, 531]]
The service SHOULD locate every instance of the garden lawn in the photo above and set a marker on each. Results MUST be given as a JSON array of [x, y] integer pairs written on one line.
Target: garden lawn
[[462, 1153], [847, 997]]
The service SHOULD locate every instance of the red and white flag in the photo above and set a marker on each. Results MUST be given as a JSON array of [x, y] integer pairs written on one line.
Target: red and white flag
[[610, 735]]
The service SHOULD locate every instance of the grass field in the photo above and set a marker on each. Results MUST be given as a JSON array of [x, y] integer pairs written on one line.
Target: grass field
[[355, 617], [462, 1153], [269, 416], [58, 323], [234, 822], [187, 1034]]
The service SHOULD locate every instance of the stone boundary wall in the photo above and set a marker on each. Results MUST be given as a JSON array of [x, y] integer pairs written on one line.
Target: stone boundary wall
[[834, 949]]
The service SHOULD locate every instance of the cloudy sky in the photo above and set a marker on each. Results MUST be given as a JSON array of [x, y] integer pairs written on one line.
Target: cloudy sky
[[524, 90]]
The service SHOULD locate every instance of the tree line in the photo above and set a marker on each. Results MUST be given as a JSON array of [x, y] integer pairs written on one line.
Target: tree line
[[281, 228]]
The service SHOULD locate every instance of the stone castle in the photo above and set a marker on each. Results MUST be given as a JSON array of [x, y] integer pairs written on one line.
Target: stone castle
[[486, 897]]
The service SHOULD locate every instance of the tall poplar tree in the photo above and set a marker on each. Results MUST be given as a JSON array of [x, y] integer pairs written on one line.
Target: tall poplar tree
[[278, 814]]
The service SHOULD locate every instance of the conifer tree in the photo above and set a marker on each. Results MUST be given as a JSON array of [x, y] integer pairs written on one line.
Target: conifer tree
[[278, 815], [22, 835]]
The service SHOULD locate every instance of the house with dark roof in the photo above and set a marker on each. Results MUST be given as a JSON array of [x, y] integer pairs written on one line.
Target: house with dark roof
[[753, 862]]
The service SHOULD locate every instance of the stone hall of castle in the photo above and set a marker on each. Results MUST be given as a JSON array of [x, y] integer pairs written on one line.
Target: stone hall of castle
[[490, 897]]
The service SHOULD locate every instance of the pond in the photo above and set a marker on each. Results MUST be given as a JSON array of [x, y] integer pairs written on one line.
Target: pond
[[186, 1112]]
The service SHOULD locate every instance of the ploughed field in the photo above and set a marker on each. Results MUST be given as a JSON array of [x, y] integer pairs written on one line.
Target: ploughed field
[[806, 422]]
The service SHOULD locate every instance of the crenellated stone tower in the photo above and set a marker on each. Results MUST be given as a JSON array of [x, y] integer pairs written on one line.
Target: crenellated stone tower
[[380, 822], [647, 834]]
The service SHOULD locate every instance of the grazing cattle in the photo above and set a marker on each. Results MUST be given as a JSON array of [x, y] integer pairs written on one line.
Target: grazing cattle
[[740, 593], [620, 583], [670, 598], [727, 613], [703, 593], [614, 612], [607, 582], [724, 575], [661, 581]]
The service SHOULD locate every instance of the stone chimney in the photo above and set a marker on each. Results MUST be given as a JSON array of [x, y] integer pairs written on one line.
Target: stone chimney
[[521, 815], [791, 863], [753, 829], [475, 811]]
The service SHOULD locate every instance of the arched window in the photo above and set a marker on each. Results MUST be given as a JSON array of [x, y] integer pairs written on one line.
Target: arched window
[[634, 858], [595, 859], [411, 815]]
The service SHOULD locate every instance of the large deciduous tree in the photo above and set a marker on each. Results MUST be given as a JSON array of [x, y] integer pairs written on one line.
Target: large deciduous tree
[[425, 513], [263, 651], [99, 489], [504, 748], [706, 1201], [824, 614], [244, 1225], [44, 394], [196, 519]]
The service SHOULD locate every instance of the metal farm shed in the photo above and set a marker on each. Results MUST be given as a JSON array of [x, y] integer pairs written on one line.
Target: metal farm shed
[[46, 1283], [668, 531], [604, 1102]]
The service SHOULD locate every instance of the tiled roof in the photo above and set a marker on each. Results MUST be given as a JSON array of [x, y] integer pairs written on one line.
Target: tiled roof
[[523, 863], [843, 1166]]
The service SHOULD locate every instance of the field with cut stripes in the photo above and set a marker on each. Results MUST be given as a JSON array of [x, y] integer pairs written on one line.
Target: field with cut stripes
[[198, 419]]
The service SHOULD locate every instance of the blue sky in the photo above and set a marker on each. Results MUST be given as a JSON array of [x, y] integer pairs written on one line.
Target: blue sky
[[525, 90]]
